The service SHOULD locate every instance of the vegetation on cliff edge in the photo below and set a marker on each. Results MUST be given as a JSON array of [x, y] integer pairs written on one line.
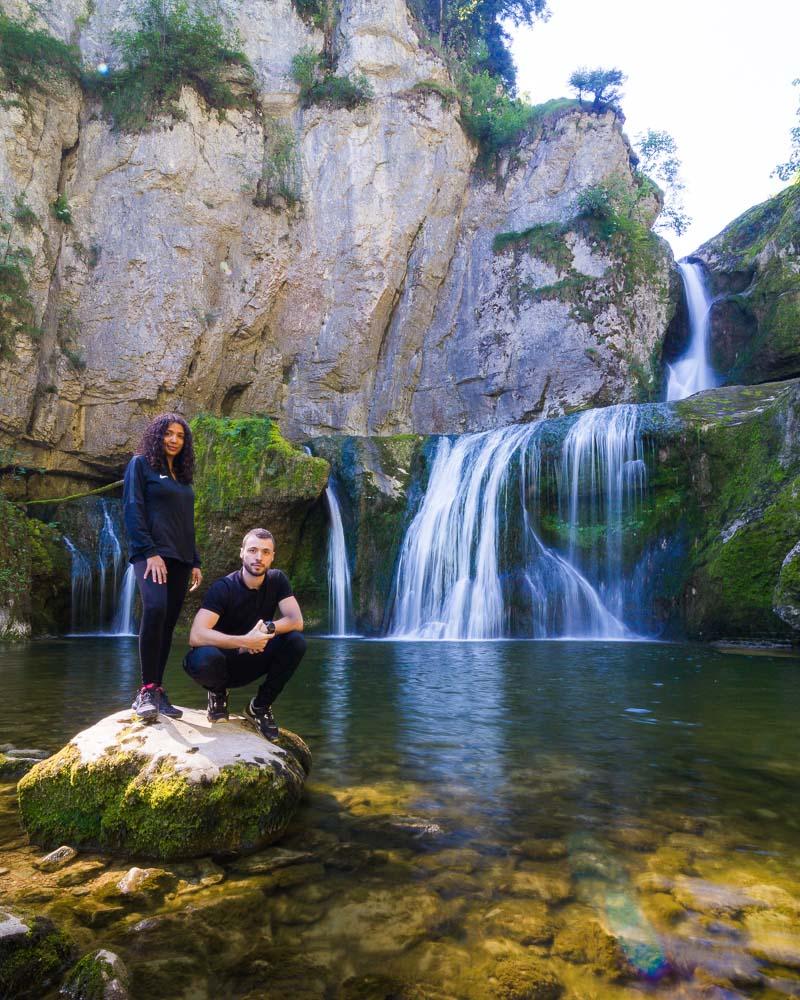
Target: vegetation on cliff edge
[[171, 46]]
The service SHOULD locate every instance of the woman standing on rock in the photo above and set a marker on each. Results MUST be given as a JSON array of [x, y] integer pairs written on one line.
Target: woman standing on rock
[[158, 502]]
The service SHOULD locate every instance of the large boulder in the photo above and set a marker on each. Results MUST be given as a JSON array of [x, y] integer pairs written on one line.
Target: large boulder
[[174, 789]]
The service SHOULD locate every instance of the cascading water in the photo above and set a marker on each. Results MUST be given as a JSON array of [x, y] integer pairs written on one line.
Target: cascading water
[[339, 591], [81, 602], [603, 474], [102, 595], [473, 564], [692, 373]]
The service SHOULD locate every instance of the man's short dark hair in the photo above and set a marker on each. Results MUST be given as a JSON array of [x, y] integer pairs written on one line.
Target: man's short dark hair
[[259, 533]]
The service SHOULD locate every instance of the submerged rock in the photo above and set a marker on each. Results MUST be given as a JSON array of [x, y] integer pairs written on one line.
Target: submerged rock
[[101, 975], [178, 788], [32, 953]]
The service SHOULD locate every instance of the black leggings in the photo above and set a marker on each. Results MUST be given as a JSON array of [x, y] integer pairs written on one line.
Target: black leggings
[[161, 606], [220, 669]]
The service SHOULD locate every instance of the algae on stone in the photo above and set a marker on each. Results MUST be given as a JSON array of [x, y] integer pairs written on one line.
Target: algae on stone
[[125, 788]]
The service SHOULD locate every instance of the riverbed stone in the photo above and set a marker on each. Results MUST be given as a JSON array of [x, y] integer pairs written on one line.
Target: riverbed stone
[[59, 858], [101, 975], [32, 954], [177, 788], [525, 980]]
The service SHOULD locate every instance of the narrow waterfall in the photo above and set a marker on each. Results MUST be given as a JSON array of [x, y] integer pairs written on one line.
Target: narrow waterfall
[[340, 614], [124, 622], [109, 558], [473, 564], [692, 373], [81, 603]]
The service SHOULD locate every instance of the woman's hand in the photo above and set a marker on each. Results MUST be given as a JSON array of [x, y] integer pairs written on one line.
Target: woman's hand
[[197, 578], [156, 569]]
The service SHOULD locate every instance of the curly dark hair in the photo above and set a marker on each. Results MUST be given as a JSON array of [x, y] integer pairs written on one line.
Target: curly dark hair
[[152, 447]]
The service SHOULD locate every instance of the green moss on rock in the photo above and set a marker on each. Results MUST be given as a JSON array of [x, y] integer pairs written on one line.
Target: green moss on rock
[[31, 960], [129, 803], [248, 475]]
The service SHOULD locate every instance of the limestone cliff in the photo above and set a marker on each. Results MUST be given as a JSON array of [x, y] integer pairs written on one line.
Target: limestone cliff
[[377, 304]]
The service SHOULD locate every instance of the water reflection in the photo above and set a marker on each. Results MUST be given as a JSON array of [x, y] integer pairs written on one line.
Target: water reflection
[[475, 804]]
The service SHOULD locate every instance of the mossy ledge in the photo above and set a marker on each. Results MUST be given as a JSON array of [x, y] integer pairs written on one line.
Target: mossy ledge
[[176, 789]]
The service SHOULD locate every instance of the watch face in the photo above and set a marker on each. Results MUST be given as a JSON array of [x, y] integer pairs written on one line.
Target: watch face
[[270, 627]]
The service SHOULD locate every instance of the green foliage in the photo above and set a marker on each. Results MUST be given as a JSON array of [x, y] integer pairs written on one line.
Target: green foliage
[[23, 214], [318, 12], [475, 31], [30, 58], [659, 160], [170, 48], [280, 168], [546, 242], [61, 210], [442, 90], [320, 85], [493, 119], [603, 84], [16, 309], [791, 167]]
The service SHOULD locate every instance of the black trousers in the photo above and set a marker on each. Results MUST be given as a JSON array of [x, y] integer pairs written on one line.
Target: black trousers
[[220, 669], [161, 606]]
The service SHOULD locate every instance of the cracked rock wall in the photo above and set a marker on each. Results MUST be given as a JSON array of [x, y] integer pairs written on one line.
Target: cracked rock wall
[[376, 305]]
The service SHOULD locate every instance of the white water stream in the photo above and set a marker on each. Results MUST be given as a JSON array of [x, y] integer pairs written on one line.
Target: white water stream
[[473, 564], [693, 373], [340, 613]]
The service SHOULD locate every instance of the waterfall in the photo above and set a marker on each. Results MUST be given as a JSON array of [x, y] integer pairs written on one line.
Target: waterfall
[[81, 587], [102, 595], [473, 564], [123, 623], [692, 373], [603, 474], [109, 556], [339, 593]]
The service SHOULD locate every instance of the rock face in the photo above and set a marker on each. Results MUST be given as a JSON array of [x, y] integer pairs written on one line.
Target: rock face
[[377, 305], [754, 270], [178, 788]]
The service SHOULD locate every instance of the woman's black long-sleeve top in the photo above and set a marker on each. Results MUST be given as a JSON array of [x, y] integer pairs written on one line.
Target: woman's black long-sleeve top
[[159, 514]]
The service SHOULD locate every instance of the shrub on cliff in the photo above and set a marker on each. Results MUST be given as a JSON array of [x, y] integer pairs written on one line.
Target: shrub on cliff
[[490, 116], [318, 83], [603, 84], [170, 48], [29, 58]]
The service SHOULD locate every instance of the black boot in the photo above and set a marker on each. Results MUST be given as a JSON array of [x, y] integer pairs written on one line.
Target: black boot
[[263, 720], [217, 706]]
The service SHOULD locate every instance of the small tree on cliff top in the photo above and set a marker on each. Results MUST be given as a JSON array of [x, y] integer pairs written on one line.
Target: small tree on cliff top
[[603, 84], [658, 158]]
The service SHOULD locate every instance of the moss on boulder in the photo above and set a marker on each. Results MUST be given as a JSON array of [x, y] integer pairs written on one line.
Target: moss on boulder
[[754, 269], [247, 475], [175, 789], [32, 954], [100, 975]]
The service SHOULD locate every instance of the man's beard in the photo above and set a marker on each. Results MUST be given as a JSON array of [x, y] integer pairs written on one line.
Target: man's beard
[[255, 572]]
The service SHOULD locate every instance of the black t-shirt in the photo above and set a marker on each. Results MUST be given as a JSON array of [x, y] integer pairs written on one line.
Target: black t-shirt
[[239, 607]]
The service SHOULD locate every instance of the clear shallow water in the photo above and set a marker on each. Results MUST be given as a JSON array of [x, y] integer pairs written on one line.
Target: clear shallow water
[[472, 805]]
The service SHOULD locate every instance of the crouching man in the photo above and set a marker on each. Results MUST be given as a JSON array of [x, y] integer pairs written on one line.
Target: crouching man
[[236, 637]]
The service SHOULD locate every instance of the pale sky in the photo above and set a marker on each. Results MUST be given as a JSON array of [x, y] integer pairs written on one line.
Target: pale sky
[[716, 74]]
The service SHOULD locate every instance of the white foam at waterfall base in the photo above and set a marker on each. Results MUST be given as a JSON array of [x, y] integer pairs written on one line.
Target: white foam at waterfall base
[[451, 572], [692, 373]]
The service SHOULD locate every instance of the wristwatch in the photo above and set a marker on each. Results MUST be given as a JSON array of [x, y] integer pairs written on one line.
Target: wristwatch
[[269, 628]]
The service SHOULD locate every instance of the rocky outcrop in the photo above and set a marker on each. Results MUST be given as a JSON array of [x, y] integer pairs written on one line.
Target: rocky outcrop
[[175, 789], [754, 272], [378, 304]]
